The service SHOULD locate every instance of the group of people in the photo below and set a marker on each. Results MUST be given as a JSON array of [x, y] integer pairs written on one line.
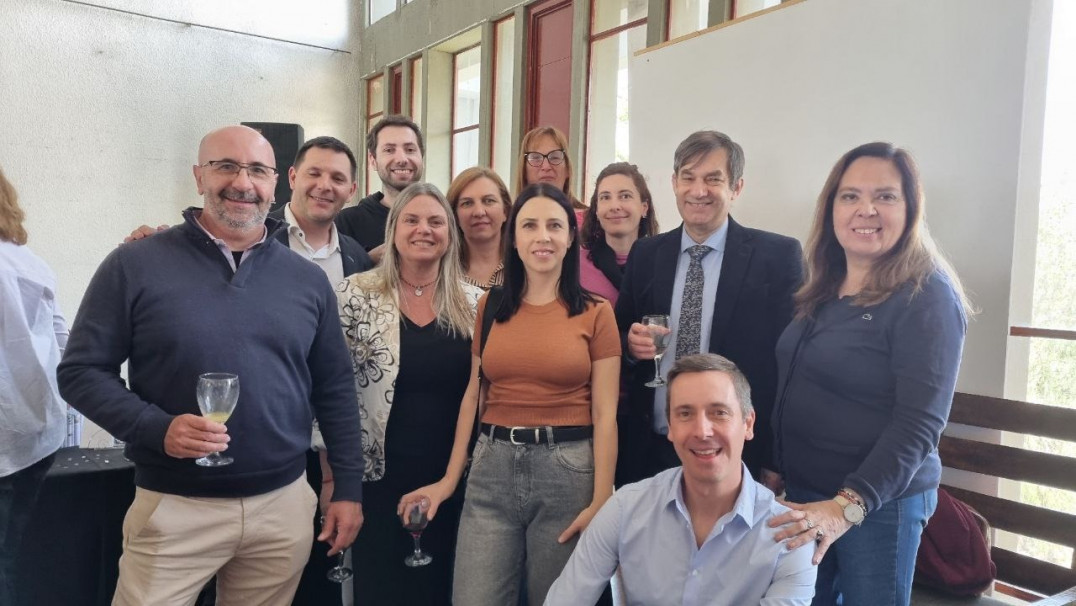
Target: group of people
[[484, 357]]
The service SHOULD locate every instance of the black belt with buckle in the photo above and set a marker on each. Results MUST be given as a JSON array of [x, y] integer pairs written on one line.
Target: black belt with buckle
[[537, 435]]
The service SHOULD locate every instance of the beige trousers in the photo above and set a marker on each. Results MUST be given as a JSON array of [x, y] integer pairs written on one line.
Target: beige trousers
[[257, 546]]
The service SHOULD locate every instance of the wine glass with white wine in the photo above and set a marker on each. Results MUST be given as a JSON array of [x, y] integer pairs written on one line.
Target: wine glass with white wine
[[658, 325], [217, 394]]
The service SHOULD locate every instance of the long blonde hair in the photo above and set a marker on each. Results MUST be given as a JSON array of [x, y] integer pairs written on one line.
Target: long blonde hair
[[912, 259], [11, 215], [454, 312]]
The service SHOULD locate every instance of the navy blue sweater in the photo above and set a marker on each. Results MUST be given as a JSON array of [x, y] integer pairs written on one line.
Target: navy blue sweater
[[171, 307], [863, 402]]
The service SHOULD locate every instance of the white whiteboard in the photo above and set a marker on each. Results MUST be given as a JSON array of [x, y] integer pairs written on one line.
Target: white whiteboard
[[802, 84]]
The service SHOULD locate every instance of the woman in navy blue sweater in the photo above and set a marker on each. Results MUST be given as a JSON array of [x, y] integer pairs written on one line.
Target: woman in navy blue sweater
[[867, 371]]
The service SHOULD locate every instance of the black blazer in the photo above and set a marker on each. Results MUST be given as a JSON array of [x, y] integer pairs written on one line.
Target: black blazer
[[351, 252], [759, 273]]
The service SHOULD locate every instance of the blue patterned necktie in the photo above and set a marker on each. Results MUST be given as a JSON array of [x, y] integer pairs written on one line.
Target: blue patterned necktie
[[689, 335]]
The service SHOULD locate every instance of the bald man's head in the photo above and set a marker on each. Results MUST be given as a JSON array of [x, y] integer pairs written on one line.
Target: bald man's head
[[236, 176], [235, 135]]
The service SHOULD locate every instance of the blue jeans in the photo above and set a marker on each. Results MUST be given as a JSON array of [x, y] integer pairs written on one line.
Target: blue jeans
[[519, 499], [873, 563], [18, 494]]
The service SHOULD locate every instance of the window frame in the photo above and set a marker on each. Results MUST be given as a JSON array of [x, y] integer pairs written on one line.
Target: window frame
[[454, 129]]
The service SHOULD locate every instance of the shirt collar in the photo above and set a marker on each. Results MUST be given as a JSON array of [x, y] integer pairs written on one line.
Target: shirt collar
[[716, 240], [744, 507], [295, 230], [220, 241]]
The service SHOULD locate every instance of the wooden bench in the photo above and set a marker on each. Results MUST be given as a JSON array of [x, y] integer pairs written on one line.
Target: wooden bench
[[1018, 575]]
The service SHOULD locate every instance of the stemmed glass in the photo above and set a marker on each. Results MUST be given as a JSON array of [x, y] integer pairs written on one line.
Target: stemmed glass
[[658, 325], [414, 521], [340, 572], [217, 394]]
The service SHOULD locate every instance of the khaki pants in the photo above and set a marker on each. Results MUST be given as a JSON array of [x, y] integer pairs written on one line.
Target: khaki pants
[[257, 546]]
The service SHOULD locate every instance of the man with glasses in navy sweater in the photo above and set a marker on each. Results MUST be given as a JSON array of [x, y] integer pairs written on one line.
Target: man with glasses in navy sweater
[[219, 293]]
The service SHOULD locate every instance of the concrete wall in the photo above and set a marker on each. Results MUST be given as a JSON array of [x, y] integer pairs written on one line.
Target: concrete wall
[[103, 111]]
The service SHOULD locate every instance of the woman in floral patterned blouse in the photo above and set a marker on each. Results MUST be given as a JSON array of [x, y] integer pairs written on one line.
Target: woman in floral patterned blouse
[[408, 325]]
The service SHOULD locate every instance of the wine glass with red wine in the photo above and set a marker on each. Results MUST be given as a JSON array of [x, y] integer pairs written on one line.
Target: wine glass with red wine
[[414, 521]]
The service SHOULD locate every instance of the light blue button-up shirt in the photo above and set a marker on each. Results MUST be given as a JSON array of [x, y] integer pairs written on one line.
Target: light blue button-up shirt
[[711, 273], [646, 530]]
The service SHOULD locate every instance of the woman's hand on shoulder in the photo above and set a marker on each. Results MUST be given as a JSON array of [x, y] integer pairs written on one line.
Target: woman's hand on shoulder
[[579, 524], [820, 522], [436, 493]]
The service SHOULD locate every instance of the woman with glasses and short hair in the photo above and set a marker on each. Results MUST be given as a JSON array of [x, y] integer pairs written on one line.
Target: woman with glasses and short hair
[[543, 158], [543, 463]]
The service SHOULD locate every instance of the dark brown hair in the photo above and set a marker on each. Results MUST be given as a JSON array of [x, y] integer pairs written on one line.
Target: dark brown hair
[[912, 259], [593, 234]]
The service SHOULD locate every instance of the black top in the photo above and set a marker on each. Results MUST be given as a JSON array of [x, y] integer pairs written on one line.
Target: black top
[[365, 221], [434, 369]]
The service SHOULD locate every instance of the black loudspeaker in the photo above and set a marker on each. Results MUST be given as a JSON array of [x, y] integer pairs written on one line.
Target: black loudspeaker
[[286, 140]]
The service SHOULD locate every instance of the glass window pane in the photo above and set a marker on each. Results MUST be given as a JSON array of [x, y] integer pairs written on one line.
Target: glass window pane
[[417, 90], [380, 8], [464, 151], [746, 7], [468, 83], [686, 16], [373, 182], [503, 97], [607, 107], [614, 13], [375, 96]]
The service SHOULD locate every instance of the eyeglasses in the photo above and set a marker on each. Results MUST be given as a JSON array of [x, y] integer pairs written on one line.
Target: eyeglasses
[[555, 157], [227, 168]]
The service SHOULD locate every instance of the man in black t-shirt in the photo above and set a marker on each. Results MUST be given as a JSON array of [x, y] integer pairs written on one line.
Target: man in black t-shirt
[[396, 151]]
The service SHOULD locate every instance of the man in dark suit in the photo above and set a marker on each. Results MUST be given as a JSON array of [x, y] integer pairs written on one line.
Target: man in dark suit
[[727, 289], [322, 181]]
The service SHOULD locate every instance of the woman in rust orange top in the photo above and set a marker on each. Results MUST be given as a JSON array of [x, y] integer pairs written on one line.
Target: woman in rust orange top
[[543, 464]]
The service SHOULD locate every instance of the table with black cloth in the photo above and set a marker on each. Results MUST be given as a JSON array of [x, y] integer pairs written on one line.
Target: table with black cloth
[[72, 545]]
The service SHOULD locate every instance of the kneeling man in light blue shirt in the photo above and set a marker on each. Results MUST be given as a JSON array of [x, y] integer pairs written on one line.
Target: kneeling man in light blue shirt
[[693, 535]]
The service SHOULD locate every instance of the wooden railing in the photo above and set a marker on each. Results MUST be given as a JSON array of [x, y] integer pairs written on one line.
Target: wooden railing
[[1021, 465], [1042, 333]]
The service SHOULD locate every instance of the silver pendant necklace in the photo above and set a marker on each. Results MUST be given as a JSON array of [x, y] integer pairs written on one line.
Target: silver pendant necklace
[[418, 289]]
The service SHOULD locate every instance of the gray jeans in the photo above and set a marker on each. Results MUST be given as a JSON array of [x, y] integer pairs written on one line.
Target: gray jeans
[[519, 499]]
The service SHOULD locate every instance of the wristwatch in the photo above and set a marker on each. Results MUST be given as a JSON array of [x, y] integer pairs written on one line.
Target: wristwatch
[[853, 512]]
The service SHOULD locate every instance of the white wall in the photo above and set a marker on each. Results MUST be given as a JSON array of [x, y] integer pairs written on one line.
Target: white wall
[[799, 86], [102, 111]]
